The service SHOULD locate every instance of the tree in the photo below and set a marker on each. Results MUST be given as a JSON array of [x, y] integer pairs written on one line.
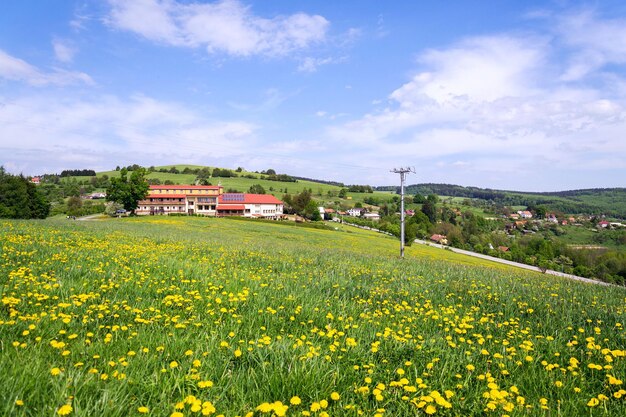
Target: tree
[[430, 210], [128, 191], [311, 211], [20, 199], [419, 199], [433, 198], [256, 189], [74, 204]]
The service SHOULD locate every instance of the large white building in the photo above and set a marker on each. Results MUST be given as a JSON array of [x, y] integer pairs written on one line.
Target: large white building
[[180, 199], [249, 205], [208, 200]]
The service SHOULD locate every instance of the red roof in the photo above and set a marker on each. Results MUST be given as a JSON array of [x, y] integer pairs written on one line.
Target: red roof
[[185, 187], [231, 207], [225, 199]]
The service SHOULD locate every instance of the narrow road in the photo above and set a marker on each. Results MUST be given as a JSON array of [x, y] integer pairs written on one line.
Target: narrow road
[[511, 263], [89, 217]]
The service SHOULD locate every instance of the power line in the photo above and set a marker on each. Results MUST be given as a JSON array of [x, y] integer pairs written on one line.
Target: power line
[[402, 172]]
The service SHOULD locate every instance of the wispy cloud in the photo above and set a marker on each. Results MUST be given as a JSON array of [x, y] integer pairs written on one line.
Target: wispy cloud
[[595, 42], [15, 69], [225, 26], [75, 131], [310, 64], [500, 99], [63, 50]]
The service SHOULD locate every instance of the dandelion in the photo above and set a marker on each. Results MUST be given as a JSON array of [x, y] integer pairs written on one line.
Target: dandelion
[[335, 396], [593, 402], [295, 400], [143, 410], [430, 409], [64, 410]]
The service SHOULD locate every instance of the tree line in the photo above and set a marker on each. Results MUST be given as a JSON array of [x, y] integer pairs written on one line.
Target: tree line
[[20, 198]]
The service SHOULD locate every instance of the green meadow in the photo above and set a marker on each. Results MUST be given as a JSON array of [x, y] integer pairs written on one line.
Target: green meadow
[[210, 316]]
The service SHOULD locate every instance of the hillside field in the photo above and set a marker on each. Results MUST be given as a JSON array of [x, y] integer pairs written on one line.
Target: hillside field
[[276, 188], [177, 316]]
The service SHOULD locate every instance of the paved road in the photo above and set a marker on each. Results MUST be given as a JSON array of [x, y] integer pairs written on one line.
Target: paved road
[[511, 263], [89, 217]]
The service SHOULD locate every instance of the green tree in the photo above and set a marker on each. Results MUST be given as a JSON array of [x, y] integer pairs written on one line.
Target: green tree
[[128, 190], [20, 199], [433, 198], [419, 199], [311, 211], [74, 204], [256, 189], [430, 210]]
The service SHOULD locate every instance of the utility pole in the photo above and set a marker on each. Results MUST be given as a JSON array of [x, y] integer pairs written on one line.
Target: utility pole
[[402, 172]]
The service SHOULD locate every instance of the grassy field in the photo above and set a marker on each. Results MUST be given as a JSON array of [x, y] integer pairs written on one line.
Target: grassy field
[[278, 188], [206, 316]]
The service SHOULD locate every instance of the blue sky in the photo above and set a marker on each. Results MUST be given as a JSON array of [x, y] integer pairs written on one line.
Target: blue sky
[[510, 95]]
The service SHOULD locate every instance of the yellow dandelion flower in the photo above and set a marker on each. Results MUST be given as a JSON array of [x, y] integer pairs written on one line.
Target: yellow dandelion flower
[[64, 410], [593, 402], [430, 409], [295, 400], [55, 371], [143, 410], [335, 396]]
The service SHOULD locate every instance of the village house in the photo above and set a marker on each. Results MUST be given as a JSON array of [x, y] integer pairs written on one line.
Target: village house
[[35, 180], [439, 239], [525, 214], [371, 216], [551, 218], [356, 211]]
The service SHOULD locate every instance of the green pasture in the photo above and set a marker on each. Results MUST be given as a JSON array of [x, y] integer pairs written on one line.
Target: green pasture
[[185, 316]]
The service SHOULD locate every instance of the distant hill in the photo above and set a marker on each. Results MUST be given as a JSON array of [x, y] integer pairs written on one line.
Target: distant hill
[[607, 201]]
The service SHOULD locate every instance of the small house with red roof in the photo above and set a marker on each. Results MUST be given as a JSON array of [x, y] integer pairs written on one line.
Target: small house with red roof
[[439, 239]]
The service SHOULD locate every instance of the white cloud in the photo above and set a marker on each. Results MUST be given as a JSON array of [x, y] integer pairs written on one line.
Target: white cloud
[[57, 133], [596, 42], [493, 103], [16, 69], [63, 50], [310, 64], [477, 69], [225, 26]]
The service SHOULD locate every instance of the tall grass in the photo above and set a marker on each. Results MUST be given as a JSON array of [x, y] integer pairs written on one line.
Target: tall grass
[[214, 316]]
